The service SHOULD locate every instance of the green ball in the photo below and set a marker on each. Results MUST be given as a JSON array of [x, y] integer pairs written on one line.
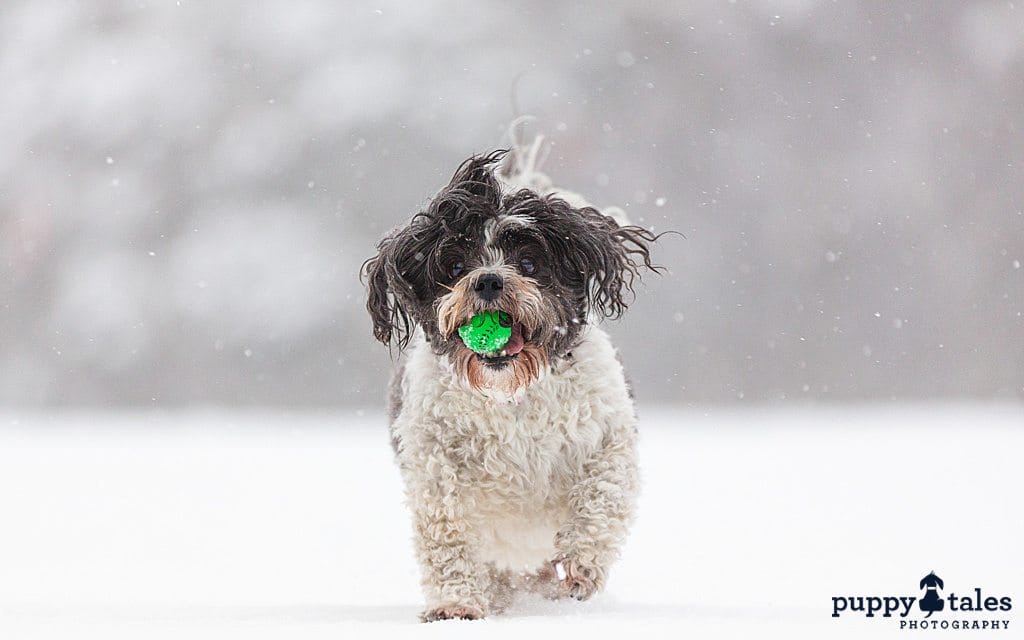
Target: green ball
[[487, 331]]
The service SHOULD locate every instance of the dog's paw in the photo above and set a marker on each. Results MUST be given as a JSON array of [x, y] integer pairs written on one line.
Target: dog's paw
[[576, 579], [451, 612]]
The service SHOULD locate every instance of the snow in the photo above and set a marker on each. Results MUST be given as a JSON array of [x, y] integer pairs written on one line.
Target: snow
[[270, 524]]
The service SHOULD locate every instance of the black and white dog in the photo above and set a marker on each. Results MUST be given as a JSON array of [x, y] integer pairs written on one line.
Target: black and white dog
[[520, 467]]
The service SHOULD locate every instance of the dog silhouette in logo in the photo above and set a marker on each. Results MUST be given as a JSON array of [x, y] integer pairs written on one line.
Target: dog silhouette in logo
[[931, 602]]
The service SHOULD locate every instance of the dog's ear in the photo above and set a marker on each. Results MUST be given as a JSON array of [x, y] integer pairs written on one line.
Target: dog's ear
[[611, 258], [391, 322]]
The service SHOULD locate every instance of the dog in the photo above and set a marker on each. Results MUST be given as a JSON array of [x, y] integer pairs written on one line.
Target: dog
[[520, 466]]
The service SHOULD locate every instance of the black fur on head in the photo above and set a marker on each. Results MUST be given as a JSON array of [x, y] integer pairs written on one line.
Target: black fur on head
[[559, 263]]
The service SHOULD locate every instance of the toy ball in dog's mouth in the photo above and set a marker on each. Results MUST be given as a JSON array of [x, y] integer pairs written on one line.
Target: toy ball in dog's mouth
[[492, 334]]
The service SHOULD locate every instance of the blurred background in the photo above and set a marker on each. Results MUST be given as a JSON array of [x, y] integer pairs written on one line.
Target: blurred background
[[187, 189]]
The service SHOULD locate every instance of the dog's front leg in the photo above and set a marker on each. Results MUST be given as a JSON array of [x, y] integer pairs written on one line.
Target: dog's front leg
[[446, 542], [602, 503]]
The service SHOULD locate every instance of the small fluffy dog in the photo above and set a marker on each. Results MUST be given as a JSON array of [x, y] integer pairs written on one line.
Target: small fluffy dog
[[520, 467]]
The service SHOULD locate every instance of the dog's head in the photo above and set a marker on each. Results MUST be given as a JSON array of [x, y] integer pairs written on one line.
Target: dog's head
[[545, 263]]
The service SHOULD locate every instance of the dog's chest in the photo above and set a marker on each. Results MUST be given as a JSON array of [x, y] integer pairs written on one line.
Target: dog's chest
[[525, 454], [513, 458], [499, 452]]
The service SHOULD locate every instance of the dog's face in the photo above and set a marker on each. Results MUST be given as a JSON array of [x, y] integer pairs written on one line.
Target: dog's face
[[541, 261]]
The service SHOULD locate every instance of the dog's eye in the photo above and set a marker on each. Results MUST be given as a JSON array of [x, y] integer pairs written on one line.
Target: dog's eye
[[529, 267], [456, 269]]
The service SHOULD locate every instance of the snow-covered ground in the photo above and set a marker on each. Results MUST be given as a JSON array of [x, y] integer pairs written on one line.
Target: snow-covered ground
[[225, 524]]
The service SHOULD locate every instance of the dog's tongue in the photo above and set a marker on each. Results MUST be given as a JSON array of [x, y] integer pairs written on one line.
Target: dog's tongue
[[515, 341]]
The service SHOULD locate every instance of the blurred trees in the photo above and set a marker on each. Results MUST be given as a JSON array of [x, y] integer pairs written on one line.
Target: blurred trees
[[188, 190]]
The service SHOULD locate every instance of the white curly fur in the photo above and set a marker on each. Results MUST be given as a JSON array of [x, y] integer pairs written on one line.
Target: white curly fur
[[502, 490]]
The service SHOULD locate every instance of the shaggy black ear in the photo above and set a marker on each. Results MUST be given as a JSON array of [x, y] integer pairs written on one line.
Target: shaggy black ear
[[390, 320], [613, 258]]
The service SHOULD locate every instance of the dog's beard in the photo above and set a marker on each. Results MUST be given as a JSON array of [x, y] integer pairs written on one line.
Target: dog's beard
[[525, 358], [514, 375]]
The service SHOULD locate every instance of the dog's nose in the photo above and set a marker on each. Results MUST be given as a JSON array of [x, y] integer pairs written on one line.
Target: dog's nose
[[489, 286]]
